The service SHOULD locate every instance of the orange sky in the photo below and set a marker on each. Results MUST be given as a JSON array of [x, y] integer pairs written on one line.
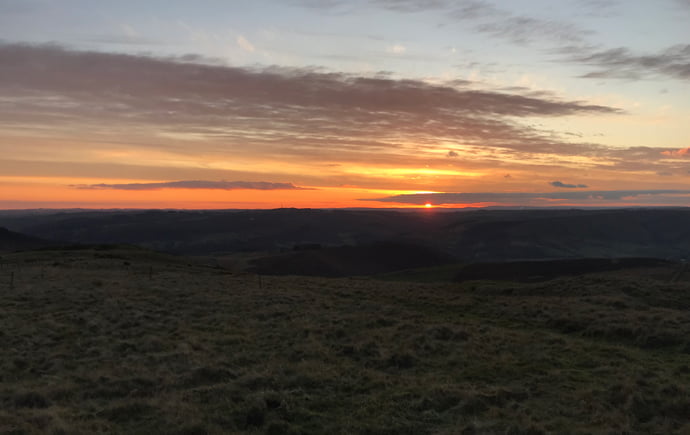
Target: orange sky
[[456, 114], [59, 194]]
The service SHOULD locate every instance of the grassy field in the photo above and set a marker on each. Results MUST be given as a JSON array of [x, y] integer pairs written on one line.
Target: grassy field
[[125, 341]]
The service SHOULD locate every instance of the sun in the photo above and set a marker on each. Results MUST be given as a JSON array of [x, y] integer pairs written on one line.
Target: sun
[[428, 205]]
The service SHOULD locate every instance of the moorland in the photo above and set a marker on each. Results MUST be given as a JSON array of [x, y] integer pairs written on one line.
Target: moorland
[[123, 340], [118, 338]]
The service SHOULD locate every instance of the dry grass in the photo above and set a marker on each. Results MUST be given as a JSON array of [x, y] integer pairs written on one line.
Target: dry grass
[[123, 341]]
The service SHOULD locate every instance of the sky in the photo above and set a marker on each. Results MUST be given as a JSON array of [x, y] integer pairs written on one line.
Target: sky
[[226, 104]]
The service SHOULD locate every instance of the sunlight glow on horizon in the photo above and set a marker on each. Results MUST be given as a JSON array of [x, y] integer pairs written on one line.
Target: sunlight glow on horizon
[[438, 102]]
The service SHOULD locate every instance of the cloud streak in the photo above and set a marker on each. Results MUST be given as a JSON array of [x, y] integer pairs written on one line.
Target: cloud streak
[[483, 16], [618, 63], [568, 186], [524, 30], [622, 63], [194, 184], [591, 197], [245, 45]]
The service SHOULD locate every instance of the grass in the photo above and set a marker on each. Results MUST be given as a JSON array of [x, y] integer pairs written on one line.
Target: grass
[[125, 341]]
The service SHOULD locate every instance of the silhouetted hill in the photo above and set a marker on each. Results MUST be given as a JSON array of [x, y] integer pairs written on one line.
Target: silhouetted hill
[[13, 241], [205, 232], [661, 233], [470, 236], [369, 259]]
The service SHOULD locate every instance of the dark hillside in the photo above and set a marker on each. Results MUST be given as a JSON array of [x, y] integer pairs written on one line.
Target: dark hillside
[[470, 236], [13, 241], [368, 259], [205, 232], [503, 235], [542, 270]]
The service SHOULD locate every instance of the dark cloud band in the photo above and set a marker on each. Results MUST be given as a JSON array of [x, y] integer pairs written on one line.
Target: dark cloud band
[[622, 63], [567, 185], [269, 111], [195, 184], [592, 197], [170, 83]]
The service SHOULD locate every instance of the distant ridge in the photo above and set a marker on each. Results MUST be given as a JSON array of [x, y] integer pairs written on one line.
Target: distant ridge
[[12, 241], [476, 236]]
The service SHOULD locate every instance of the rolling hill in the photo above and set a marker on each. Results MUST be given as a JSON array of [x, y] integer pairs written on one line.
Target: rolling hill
[[12, 241], [468, 236]]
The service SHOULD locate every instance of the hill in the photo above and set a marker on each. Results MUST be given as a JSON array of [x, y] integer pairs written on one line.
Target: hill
[[124, 340], [369, 259], [468, 236], [12, 241], [526, 271]]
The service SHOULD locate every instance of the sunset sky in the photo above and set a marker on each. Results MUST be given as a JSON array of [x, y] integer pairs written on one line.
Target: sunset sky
[[344, 103]]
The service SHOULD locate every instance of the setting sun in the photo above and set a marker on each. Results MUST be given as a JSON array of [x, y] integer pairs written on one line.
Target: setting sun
[[427, 205]]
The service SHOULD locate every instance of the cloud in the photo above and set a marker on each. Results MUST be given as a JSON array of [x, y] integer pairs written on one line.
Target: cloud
[[475, 9], [496, 22], [397, 49], [483, 15], [452, 154], [622, 63], [244, 44], [600, 8], [81, 74], [524, 30], [130, 31], [403, 6], [593, 197], [189, 108], [568, 186], [411, 5], [683, 152], [321, 4], [194, 184], [269, 111]]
